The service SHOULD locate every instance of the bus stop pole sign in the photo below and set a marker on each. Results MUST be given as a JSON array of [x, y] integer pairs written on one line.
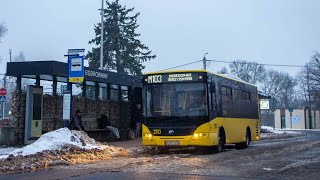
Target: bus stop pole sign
[[76, 69], [75, 73], [264, 104]]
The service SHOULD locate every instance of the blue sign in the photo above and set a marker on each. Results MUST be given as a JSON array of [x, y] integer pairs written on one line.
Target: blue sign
[[2, 98], [76, 68]]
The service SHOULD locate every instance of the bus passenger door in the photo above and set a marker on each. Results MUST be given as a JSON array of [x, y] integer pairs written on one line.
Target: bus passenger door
[[212, 100]]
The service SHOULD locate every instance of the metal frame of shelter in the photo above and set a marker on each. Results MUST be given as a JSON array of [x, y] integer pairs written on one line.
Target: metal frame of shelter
[[57, 72]]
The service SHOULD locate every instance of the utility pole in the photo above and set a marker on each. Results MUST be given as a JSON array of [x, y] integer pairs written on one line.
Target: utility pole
[[101, 48], [5, 76], [205, 61], [101, 41], [308, 85], [309, 97]]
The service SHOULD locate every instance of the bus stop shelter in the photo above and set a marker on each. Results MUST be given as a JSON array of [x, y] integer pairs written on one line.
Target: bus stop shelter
[[101, 92]]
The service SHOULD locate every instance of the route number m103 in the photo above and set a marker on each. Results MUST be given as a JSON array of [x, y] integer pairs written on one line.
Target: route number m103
[[155, 79]]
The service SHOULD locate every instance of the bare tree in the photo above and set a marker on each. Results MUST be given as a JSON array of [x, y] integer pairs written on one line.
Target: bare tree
[[281, 87], [313, 70], [305, 84], [3, 32], [224, 70], [20, 57], [271, 85], [287, 90], [250, 72]]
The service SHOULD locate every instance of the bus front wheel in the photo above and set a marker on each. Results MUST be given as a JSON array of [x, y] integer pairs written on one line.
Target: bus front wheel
[[221, 141]]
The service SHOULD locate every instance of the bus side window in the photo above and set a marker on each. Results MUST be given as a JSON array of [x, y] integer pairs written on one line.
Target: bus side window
[[212, 96]]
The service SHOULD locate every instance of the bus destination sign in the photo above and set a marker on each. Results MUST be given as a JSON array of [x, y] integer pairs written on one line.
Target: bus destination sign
[[176, 77]]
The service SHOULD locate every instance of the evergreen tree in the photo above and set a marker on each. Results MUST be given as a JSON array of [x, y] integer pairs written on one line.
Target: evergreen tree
[[123, 51]]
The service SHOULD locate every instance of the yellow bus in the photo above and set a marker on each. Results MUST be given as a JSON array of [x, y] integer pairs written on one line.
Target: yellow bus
[[197, 108]]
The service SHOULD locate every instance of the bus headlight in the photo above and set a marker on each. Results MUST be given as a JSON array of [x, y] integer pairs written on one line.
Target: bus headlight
[[196, 135], [148, 135]]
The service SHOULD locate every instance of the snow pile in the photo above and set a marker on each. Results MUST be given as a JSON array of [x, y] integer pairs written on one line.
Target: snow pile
[[57, 140], [6, 151], [267, 131]]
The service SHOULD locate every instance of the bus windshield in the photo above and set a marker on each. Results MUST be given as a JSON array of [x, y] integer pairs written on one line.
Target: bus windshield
[[179, 99]]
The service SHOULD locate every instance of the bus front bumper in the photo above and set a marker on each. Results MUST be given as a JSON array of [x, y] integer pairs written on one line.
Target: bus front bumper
[[197, 139]]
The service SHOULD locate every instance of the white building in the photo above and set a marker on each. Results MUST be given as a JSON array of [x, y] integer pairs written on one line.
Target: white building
[[297, 119]]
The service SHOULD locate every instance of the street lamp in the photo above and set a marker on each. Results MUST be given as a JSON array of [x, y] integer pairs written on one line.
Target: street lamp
[[101, 41], [101, 48], [10, 52]]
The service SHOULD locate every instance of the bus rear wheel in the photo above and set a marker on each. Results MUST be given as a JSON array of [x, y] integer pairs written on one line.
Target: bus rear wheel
[[246, 143]]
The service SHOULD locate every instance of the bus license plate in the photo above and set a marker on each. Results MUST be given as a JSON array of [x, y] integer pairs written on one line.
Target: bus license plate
[[172, 143]]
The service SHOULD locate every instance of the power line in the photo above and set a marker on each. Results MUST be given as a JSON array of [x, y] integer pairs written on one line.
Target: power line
[[230, 62], [181, 65], [279, 65]]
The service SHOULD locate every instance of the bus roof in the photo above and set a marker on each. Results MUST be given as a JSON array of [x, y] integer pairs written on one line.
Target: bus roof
[[200, 70]]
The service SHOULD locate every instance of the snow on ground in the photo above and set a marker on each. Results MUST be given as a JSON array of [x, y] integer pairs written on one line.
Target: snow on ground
[[300, 164], [6, 150], [267, 169], [267, 131], [56, 140]]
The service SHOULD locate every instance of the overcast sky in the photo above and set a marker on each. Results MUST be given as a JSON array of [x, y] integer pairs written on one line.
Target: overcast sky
[[177, 31]]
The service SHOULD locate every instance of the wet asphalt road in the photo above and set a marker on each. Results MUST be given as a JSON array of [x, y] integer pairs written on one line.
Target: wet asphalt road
[[281, 157], [121, 175]]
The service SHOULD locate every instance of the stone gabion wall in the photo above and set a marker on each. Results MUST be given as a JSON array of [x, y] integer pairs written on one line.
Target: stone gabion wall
[[118, 112], [52, 113], [18, 116]]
